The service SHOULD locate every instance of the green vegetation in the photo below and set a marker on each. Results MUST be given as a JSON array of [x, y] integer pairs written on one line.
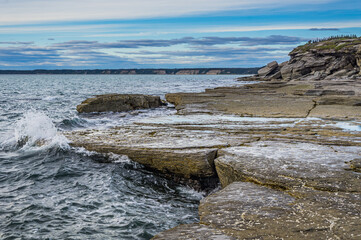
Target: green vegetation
[[337, 37], [330, 43]]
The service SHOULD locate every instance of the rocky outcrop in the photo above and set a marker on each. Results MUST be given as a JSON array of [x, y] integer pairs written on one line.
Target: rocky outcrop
[[286, 152], [327, 99], [281, 190], [118, 103], [334, 58]]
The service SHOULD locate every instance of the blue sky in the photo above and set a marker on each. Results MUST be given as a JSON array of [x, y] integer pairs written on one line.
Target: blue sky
[[90, 34]]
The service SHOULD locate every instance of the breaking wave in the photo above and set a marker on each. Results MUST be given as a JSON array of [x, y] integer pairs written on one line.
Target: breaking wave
[[35, 130]]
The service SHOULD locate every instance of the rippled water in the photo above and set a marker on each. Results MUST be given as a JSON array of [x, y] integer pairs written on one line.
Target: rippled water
[[49, 190]]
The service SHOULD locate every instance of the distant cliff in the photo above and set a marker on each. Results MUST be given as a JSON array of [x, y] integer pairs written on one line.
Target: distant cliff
[[183, 71], [327, 59]]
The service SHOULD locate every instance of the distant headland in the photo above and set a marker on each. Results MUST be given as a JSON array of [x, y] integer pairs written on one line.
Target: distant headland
[[176, 71]]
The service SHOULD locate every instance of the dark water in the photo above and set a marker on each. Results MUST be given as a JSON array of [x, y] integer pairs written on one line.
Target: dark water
[[53, 191]]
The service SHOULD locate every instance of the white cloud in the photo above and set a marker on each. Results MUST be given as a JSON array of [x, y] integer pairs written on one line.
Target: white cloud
[[25, 11], [295, 26]]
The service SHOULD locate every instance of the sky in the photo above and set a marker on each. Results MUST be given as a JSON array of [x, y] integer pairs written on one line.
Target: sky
[[113, 34]]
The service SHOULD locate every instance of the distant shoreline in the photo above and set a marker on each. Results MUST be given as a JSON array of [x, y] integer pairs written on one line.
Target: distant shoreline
[[163, 71]]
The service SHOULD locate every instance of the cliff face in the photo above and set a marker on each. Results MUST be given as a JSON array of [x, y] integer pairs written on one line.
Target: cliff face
[[328, 59]]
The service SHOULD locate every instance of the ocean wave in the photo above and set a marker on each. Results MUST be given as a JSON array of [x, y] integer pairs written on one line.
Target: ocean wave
[[34, 130]]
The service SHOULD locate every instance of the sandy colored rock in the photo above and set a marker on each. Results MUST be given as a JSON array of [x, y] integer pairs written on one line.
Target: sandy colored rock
[[277, 99]]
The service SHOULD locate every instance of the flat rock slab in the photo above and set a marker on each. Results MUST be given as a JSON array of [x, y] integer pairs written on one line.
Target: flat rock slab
[[187, 145], [277, 99], [118, 103], [248, 211], [284, 165], [302, 175], [188, 153]]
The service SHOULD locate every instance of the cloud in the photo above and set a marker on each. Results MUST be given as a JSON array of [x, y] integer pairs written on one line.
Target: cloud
[[25, 11], [324, 29], [294, 26], [149, 52], [211, 56], [45, 57], [206, 41], [17, 43]]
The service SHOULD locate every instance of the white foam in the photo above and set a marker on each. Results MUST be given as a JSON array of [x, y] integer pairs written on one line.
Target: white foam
[[112, 157], [36, 129], [50, 98], [349, 126]]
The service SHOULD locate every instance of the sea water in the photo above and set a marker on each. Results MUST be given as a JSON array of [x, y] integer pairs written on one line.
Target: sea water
[[49, 190]]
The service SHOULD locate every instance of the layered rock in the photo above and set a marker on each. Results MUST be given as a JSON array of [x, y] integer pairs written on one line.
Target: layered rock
[[335, 58], [283, 186], [288, 165], [118, 103], [327, 99]]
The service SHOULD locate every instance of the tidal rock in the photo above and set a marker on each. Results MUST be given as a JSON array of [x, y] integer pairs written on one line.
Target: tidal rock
[[287, 165], [118, 103], [193, 231], [248, 211], [276, 99], [168, 147]]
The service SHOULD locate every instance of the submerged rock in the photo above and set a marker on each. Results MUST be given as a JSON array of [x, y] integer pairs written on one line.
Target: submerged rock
[[118, 103]]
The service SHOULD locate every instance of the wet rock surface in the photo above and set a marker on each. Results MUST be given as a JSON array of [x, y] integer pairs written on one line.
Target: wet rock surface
[[288, 178], [287, 165], [248, 211], [118, 103]]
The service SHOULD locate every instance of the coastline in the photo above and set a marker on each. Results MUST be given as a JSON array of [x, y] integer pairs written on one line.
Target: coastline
[[286, 151], [175, 71]]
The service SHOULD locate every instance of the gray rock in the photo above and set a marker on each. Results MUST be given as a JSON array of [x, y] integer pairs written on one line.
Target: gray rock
[[334, 58], [192, 231], [249, 211], [288, 165], [286, 71], [268, 70], [118, 103]]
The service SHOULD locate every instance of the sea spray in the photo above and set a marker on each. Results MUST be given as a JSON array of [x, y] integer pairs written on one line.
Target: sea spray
[[36, 129]]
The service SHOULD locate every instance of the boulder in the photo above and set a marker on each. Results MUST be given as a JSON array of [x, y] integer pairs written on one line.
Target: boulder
[[118, 103], [269, 69]]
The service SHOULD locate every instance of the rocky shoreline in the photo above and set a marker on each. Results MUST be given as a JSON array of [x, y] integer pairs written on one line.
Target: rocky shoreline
[[286, 150]]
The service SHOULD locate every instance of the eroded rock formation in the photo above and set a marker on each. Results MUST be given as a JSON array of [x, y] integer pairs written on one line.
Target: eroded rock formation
[[329, 59], [286, 151]]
